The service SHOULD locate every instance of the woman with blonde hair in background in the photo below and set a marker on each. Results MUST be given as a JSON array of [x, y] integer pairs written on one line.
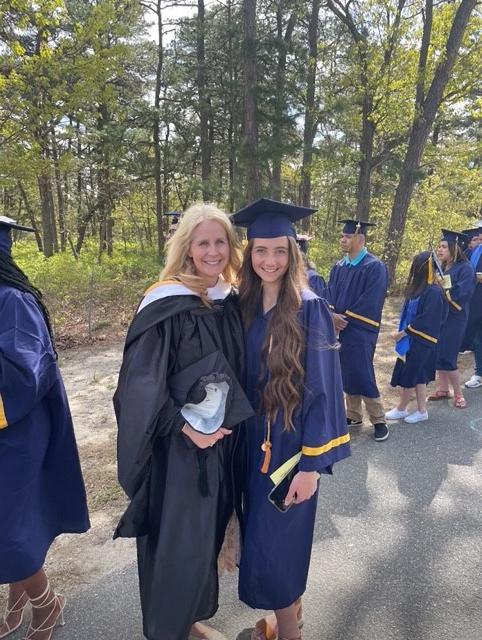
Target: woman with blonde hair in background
[[176, 403]]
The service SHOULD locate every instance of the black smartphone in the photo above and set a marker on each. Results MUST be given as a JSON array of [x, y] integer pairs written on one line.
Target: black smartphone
[[278, 494]]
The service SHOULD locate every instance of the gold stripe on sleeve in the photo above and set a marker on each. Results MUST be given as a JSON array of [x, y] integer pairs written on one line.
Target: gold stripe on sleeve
[[3, 417], [362, 318], [422, 334], [317, 451]]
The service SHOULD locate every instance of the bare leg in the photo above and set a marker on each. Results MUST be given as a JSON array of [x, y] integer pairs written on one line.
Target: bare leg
[[443, 381], [37, 586], [421, 393], [268, 626], [454, 378], [405, 396], [288, 622], [17, 599]]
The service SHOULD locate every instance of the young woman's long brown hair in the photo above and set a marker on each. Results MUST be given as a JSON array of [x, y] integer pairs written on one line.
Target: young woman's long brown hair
[[284, 344]]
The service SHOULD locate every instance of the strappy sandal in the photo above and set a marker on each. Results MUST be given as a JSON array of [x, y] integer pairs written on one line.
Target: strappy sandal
[[8, 612], [47, 599], [439, 394], [460, 402]]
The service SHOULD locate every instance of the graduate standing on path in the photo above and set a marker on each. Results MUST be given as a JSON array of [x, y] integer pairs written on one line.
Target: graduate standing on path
[[458, 291], [473, 333], [316, 282], [299, 430], [423, 314], [178, 464], [356, 292], [41, 489]]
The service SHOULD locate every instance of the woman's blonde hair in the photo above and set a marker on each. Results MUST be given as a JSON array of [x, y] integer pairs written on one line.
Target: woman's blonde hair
[[180, 267]]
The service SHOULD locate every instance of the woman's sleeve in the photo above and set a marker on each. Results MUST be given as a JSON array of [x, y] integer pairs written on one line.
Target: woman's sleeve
[[28, 369], [325, 433], [143, 405], [462, 290]]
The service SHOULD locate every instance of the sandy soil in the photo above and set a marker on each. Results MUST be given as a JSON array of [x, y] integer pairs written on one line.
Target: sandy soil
[[90, 375]]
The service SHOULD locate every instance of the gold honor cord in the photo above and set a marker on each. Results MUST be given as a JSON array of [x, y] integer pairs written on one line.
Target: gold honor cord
[[266, 446]]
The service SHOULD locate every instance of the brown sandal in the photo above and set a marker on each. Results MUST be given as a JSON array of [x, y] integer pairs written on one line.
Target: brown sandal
[[439, 394]]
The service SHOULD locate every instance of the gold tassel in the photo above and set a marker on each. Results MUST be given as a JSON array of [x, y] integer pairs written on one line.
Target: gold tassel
[[266, 446], [430, 278]]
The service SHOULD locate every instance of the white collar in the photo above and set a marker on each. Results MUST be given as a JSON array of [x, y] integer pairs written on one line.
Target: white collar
[[220, 291]]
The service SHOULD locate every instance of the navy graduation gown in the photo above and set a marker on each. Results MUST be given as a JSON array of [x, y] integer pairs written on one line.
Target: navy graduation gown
[[463, 280], [423, 332], [358, 292], [474, 322], [41, 489], [277, 546], [180, 529], [316, 282]]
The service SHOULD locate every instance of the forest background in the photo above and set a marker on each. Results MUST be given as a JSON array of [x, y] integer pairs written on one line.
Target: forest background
[[115, 112]]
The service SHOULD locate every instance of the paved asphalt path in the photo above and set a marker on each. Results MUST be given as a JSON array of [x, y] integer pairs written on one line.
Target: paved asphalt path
[[397, 546]]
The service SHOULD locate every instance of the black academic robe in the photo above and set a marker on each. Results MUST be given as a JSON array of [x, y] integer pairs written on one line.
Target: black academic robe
[[180, 529]]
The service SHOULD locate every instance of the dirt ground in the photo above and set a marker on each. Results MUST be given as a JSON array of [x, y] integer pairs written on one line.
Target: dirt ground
[[90, 375]]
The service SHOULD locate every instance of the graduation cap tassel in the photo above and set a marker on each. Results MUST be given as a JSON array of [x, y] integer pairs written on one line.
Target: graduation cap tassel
[[266, 446], [430, 278]]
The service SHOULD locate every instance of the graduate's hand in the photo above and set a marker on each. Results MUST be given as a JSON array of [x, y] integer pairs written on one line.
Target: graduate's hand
[[340, 321], [202, 440], [302, 487], [479, 276], [398, 335]]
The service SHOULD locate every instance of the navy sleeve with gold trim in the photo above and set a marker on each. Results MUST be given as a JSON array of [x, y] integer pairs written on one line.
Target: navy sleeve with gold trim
[[325, 435], [365, 310], [431, 314], [28, 368], [463, 280]]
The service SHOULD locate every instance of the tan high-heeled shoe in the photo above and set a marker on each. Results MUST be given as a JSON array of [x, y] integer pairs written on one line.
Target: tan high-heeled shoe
[[8, 611], [44, 600]]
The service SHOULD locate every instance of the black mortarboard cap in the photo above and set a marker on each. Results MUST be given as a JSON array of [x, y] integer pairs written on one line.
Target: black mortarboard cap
[[267, 218], [6, 226], [302, 240], [471, 233], [455, 237], [355, 226]]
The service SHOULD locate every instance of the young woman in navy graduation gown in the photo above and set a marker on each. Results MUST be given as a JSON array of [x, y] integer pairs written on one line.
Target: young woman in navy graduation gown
[[41, 489], [462, 286], [421, 320], [294, 382]]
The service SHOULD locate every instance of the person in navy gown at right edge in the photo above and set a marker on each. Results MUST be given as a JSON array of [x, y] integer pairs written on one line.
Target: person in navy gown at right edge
[[473, 334], [423, 314], [294, 384], [459, 292], [316, 282], [356, 292]]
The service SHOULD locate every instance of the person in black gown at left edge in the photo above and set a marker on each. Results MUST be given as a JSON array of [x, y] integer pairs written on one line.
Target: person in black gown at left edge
[[41, 489], [182, 483]]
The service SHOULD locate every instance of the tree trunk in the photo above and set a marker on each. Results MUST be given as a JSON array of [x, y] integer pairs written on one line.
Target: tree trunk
[[250, 115], [283, 44], [31, 215], [309, 126], [366, 153], [423, 121], [60, 195], [156, 133], [203, 103]]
